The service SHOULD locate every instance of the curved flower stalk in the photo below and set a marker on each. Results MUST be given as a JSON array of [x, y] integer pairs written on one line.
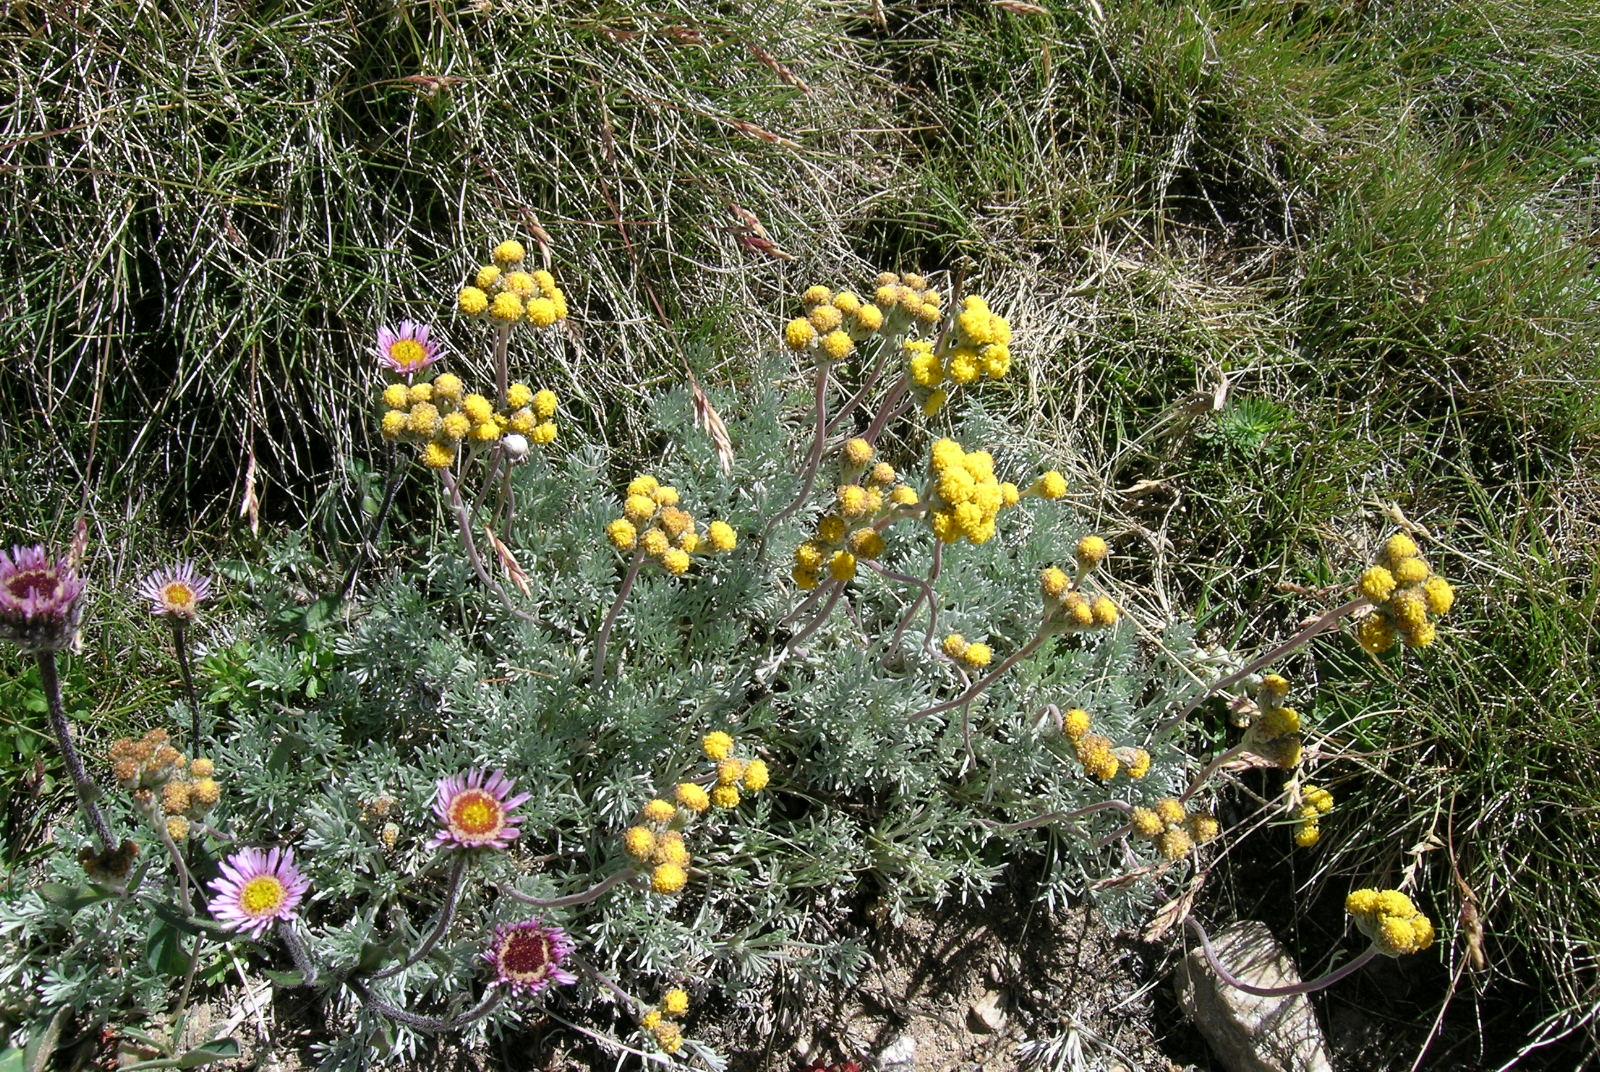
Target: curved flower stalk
[[41, 611], [1387, 917], [176, 594]]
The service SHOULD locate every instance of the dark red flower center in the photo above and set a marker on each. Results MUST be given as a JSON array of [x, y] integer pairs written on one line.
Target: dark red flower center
[[525, 955], [30, 583]]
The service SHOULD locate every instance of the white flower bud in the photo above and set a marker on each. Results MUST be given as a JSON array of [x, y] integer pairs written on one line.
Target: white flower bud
[[515, 447]]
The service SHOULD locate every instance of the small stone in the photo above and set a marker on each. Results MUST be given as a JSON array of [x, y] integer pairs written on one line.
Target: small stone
[[899, 1056], [987, 1015], [1248, 1033]]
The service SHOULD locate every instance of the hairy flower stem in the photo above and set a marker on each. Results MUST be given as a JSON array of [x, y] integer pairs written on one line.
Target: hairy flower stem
[[1048, 818], [610, 623], [887, 410], [880, 366], [1211, 768], [1320, 983], [180, 866], [86, 790], [984, 682], [814, 458], [502, 381], [1326, 622], [572, 900], [433, 1025], [822, 616], [464, 523], [180, 644], [927, 594], [309, 972], [447, 912], [390, 490], [802, 608]]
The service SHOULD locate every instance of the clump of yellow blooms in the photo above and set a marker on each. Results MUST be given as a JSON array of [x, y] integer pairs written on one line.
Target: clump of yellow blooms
[[1067, 608], [1099, 757], [1408, 595], [658, 1021], [1273, 731], [975, 656], [966, 497], [836, 323], [868, 499], [508, 294], [657, 842], [1172, 828], [657, 528], [1315, 802], [166, 786], [977, 347], [1391, 921], [439, 415]]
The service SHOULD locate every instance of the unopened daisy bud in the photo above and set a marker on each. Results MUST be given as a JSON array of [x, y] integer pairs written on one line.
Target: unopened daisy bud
[[838, 345], [1438, 595], [717, 745], [756, 775], [472, 301], [1146, 823], [622, 534], [729, 771], [1092, 551], [721, 536], [515, 447], [1175, 844], [668, 879], [509, 252], [675, 1002], [639, 842], [978, 656], [1105, 612], [725, 797], [659, 811], [506, 307], [1050, 485], [816, 295], [1377, 584], [692, 797], [858, 452]]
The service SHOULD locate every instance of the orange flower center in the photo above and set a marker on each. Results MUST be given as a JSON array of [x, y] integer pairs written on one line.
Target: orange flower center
[[407, 353], [476, 814], [179, 595]]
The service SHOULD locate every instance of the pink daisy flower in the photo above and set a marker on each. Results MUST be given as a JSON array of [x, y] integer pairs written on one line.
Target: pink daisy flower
[[41, 600], [175, 593], [407, 349], [476, 811], [527, 957], [256, 890]]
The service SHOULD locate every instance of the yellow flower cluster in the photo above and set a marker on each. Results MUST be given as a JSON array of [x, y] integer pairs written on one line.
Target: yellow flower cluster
[[440, 415], [165, 785], [1097, 755], [1406, 592], [1066, 606], [657, 840], [1274, 728], [975, 656], [966, 497], [507, 294], [1315, 803], [834, 323], [978, 347], [653, 523], [1172, 828], [1389, 918], [868, 499], [659, 1021]]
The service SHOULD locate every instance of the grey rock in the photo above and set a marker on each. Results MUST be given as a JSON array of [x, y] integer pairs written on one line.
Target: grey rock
[[987, 1015], [1246, 1032], [899, 1056]]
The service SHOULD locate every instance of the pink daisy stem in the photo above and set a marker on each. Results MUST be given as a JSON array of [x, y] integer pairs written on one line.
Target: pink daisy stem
[[180, 644], [396, 478], [299, 953], [1322, 982], [452, 900], [611, 617], [84, 786]]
